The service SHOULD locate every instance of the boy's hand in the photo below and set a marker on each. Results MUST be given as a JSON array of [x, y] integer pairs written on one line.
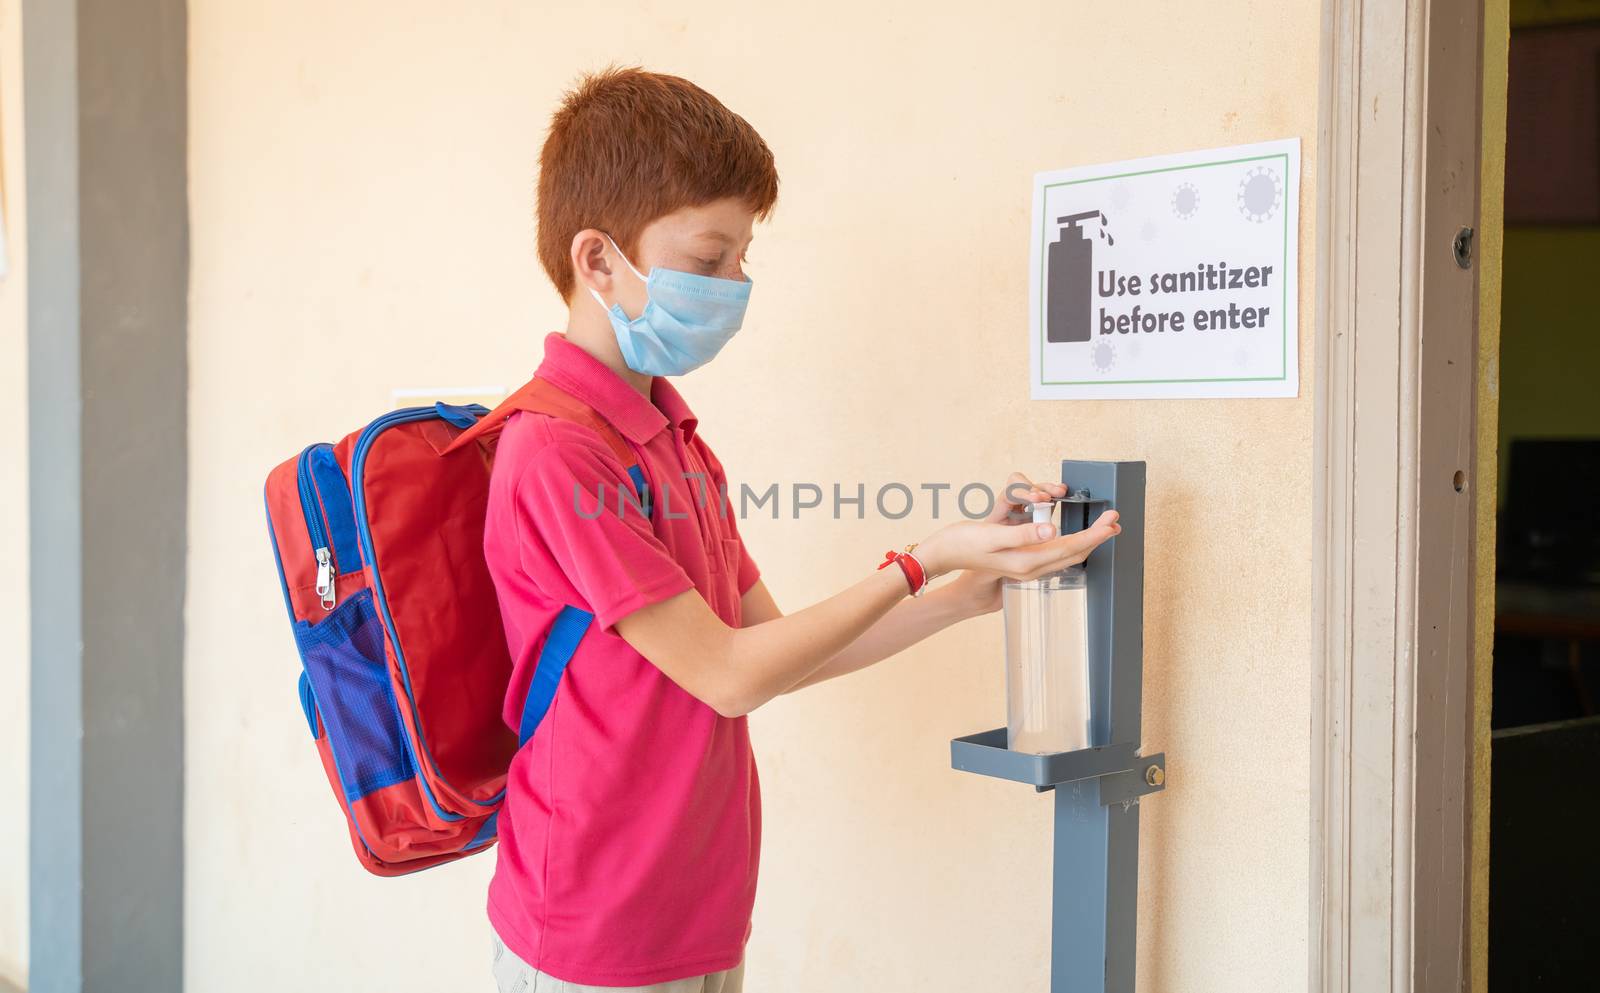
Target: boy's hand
[[991, 550], [1021, 493]]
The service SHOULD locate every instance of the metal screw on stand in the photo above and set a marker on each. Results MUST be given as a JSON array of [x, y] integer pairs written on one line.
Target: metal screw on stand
[[1462, 248]]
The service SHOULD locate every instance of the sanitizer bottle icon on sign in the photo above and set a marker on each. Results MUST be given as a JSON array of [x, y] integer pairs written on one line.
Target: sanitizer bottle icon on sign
[[1070, 279]]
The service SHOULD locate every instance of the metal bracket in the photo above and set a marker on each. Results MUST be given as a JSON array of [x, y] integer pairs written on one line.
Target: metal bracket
[[986, 754], [1128, 787], [1124, 775]]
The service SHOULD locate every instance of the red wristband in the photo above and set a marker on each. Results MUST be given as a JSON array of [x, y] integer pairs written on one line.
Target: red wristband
[[916, 576]]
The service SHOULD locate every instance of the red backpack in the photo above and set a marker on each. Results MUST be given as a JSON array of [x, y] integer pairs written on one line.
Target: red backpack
[[404, 666]]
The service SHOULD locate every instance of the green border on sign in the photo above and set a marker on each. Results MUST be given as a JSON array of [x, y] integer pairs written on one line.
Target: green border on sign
[[1044, 256]]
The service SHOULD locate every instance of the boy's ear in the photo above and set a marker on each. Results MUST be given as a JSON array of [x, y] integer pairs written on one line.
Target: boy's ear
[[589, 264]]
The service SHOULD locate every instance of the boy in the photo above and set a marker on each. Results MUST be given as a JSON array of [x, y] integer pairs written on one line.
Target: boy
[[631, 829]]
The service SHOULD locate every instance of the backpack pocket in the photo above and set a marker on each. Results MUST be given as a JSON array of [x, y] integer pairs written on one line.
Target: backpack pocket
[[308, 703], [343, 655]]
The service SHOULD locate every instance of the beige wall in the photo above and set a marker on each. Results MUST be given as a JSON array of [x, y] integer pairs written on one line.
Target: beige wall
[[13, 518], [362, 179]]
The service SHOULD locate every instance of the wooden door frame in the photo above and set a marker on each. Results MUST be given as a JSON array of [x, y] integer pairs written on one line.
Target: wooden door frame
[[1399, 729]]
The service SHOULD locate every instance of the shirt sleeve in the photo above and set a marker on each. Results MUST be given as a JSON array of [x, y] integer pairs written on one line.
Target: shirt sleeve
[[748, 573], [583, 539]]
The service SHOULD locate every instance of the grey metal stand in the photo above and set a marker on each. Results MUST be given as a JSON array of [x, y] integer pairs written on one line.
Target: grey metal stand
[[1096, 852]]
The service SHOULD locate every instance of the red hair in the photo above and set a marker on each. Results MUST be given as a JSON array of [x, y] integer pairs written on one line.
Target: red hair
[[628, 146]]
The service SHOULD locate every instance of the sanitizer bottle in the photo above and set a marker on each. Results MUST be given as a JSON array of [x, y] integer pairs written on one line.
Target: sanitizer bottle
[[1047, 659]]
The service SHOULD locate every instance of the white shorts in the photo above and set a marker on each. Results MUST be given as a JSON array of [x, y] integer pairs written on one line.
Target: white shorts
[[516, 976]]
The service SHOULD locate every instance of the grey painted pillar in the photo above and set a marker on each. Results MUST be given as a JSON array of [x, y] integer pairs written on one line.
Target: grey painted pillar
[[108, 260]]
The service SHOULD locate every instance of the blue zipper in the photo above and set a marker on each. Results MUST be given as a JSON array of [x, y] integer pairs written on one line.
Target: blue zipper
[[358, 488], [312, 509]]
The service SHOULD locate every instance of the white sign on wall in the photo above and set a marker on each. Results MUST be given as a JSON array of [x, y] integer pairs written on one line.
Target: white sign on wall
[[1172, 276]]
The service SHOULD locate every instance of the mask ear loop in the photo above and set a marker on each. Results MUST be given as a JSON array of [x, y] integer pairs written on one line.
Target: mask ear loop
[[624, 258]]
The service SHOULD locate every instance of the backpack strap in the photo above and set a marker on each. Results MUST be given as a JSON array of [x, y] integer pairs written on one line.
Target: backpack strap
[[572, 623], [544, 397]]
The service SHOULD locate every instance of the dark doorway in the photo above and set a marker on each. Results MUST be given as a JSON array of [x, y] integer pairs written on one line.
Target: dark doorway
[[1544, 885]]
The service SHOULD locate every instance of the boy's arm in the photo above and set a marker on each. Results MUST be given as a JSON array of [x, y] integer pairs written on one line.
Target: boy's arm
[[736, 670], [581, 547], [912, 620], [908, 622]]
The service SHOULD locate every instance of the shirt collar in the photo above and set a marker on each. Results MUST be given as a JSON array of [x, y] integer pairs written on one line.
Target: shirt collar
[[588, 379]]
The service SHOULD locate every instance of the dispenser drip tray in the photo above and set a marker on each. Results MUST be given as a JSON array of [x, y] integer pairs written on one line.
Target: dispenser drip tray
[[1125, 772]]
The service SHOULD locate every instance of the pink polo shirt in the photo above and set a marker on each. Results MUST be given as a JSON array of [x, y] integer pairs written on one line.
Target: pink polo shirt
[[631, 830]]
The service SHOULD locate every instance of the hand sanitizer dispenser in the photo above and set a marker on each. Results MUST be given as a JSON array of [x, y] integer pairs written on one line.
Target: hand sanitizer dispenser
[[1047, 659], [1074, 672]]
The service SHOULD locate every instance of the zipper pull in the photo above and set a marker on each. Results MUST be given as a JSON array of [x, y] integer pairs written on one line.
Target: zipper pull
[[325, 579]]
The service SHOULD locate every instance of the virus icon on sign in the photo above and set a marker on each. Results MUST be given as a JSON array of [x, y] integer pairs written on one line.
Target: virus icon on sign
[[1103, 356], [1185, 200], [1260, 194]]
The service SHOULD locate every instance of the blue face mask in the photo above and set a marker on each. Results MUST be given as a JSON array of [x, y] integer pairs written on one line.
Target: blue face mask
[[686, 320]]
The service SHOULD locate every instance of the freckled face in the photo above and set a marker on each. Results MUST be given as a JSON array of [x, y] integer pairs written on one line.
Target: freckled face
[[709, 240]]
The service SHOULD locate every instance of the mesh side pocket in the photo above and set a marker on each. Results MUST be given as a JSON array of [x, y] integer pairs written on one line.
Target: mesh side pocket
[[343, 655]]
